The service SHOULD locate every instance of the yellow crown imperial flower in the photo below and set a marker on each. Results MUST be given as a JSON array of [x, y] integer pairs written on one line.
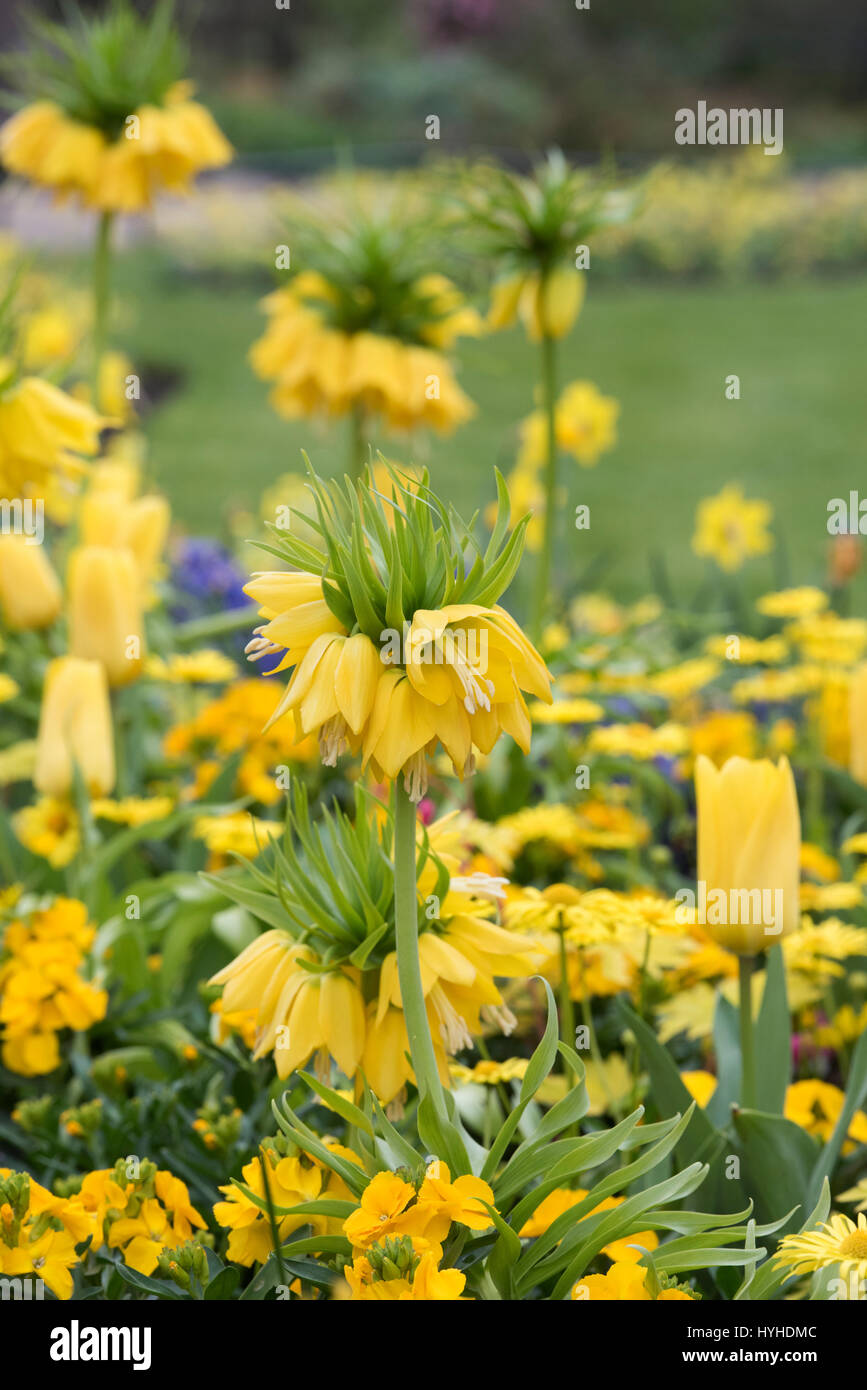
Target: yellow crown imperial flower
[[326, 985], [113, 123], [392, 627]]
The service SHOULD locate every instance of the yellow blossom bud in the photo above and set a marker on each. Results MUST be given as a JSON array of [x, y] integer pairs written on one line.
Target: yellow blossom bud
[[105, 622], [30, 593], [858, 725], [749, 842], [551, 304], [74, 727]]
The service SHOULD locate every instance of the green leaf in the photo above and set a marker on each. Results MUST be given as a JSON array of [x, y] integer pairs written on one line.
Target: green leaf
[[545, 1054], [619, 1223], [338, 1103], [702, 1141], [262, 905], [856, 1093], [504, 1255], [158, 1287], [769, 1278], [442, 1140], [777, 1159], [223, 1285]]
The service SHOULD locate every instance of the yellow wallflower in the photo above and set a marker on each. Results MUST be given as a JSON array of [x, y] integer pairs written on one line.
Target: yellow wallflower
[[49, 828]]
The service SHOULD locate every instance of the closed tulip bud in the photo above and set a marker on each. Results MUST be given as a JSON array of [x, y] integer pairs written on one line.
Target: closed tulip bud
[[146, 529], [74, 729], [858, 725], [30, 593], [749, 843], [99, 517], [105, 621]]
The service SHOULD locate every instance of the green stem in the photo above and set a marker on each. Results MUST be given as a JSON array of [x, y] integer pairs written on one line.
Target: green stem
[[357, 443], [549, 405], [101, 294], [746, 965], [567, 1008], [408, 968], [215, 624]]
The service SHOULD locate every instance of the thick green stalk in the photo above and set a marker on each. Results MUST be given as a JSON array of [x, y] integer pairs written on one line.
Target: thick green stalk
[[408, 968], [101, 297], [549, 405], [215, 624], [746, 965], [567, 1008], [357, 444]]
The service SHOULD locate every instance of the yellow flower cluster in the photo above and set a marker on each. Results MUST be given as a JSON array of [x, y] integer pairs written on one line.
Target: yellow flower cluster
[[141, 1215], [460, 683], [398, 1229], [39, 1233], [43, 433], [42, 986], [317, 369], [302, 1012], [235, 723], [160, 148], [291, 1181]]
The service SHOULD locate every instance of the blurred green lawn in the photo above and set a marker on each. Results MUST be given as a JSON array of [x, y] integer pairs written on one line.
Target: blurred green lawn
[[796, 436]]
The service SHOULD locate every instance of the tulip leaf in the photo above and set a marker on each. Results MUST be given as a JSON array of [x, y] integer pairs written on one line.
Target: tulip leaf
[[727, 1047], [777, 1160], [773, 1038], [856, 1093]]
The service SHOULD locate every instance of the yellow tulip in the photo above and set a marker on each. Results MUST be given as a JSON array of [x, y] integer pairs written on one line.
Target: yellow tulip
[[141, 525], [749, 842], [105, 622], [146, 528], [30, 593], [98, 516], [74, 728], [858, 725]]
